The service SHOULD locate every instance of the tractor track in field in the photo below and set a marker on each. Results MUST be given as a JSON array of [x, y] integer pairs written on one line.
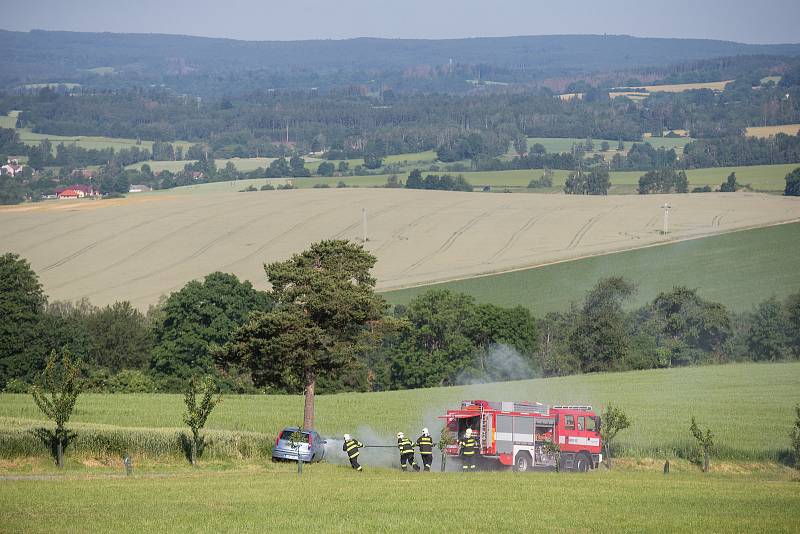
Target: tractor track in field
[[39, 225], [583, 230], [414, 223], [140, 250], [358, 223], [71, 257], [516, 235], [280, 235], [447, 244], [199, 252], [122, 231]]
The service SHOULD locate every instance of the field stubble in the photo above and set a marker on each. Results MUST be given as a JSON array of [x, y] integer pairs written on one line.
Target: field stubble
[[150, 245]]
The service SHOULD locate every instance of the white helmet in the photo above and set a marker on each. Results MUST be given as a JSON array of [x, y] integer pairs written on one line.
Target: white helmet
[[347, 437], [400, 435], [425, 432], [468, 433]]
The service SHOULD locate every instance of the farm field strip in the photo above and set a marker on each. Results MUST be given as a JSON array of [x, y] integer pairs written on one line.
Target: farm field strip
[[767, 178], [748, 406], [139, 248], [756, 264], [678, 87], [767, 131]]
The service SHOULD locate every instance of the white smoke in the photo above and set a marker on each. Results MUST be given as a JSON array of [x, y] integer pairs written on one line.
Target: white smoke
[[381, 450], [501, 363]]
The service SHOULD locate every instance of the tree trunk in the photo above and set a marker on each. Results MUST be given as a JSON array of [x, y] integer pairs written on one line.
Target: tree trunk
[[60, 452], [706, 461], [607, 459], [195, 439], [308, 408], [444, 462]]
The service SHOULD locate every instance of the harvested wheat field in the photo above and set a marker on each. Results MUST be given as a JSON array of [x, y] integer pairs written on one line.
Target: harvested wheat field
[[139, 249], [769, 131]]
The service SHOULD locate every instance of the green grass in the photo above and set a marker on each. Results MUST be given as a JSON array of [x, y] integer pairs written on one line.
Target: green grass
[[748, 407], [769, 178], [335, 499], [28, 137], [738, 269], [564, 144]]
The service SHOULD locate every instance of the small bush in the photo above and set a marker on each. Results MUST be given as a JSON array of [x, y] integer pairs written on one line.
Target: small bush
[[321, 186], [131, 381], [248, 189], [15, 385], [268, 187]]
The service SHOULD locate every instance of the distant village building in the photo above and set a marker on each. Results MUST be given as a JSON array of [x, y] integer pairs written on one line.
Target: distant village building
[[12, 168], [77, 191], [65, 194], [139, 188]]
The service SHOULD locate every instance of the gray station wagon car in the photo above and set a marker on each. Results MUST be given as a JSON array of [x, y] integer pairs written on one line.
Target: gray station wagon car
[[312, 446]]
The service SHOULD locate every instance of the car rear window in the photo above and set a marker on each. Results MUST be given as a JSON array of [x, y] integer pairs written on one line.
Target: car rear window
[[287, 435]]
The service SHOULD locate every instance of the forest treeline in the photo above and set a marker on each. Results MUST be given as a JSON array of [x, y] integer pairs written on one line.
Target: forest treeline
[[393, 123], [439, 338], [216, 67]]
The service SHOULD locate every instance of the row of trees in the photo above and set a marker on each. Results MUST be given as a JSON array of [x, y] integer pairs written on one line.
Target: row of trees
[[439, 338]]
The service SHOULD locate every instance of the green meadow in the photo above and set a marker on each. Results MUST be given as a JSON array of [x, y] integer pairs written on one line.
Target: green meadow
[[739, 269]]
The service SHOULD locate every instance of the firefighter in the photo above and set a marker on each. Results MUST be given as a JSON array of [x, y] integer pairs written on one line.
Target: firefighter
[[469, 449], [425, 446], [406, 452], [350, 447]]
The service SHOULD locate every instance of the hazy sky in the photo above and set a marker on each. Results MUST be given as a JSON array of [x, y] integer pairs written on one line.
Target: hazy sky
[[751, 21]]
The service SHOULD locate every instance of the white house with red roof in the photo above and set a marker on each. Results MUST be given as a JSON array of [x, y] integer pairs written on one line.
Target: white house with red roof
[[77, 191]]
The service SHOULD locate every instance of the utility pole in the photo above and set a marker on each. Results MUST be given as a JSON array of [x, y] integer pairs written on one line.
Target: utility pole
[[666, 208], [364, 222]]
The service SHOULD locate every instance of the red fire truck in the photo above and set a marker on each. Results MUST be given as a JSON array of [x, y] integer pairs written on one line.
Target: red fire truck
[[518, 434]]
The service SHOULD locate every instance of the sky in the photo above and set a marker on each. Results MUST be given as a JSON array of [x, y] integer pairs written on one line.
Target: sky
[[749, 21]]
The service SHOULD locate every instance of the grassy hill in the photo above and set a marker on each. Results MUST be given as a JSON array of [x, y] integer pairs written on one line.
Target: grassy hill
[[748, 407], [739, 269]]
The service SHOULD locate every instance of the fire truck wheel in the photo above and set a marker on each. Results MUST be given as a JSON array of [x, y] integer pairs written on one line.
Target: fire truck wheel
[[582, 463], [522, 462]]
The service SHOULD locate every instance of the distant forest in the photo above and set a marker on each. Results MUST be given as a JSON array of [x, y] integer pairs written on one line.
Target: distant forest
[[471, 101], [218, 67]]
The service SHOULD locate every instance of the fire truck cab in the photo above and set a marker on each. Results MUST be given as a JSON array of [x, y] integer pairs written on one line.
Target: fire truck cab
[[522, 434]]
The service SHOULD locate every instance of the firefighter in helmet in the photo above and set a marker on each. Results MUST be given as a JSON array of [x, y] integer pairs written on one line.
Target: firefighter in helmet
[[425, 446], [350, 448], [406, 447], [469, 449]]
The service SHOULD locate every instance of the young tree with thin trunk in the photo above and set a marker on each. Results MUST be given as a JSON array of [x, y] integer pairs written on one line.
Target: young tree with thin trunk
[[794, 435], [197, 414], [325, 305], [63, 385], [706, 442], [612, 421]]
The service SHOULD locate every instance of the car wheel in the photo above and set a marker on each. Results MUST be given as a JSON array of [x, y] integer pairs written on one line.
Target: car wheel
[[522, 462]]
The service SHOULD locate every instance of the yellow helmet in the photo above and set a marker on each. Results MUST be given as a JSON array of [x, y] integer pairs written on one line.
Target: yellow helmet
[[468, 433]]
